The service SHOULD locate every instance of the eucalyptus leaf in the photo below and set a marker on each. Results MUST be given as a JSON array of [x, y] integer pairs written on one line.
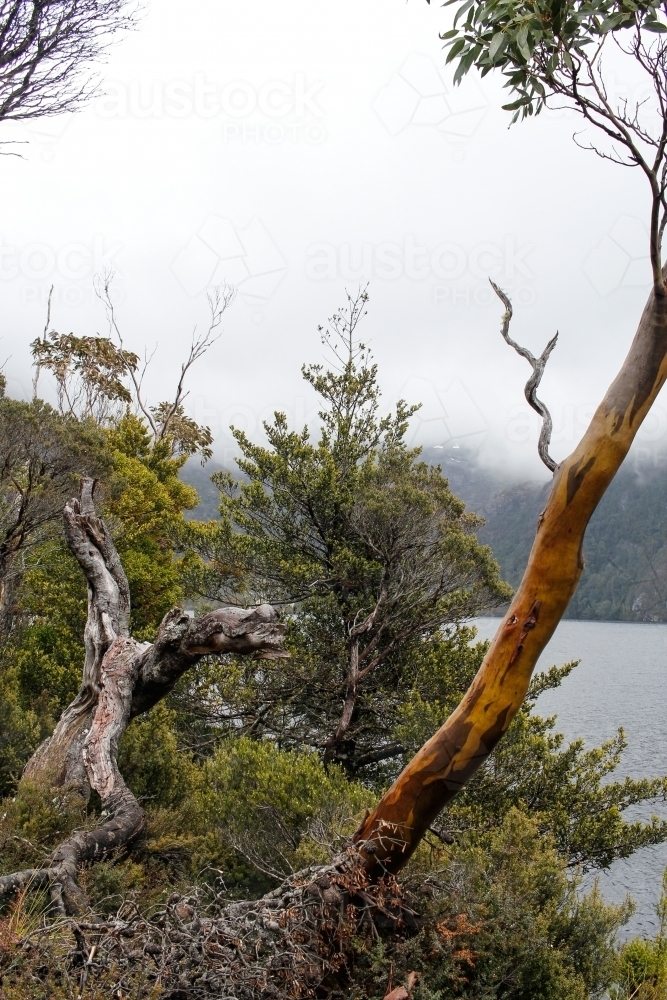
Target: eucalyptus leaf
[[498, 42], [522, 42], [457, 46]]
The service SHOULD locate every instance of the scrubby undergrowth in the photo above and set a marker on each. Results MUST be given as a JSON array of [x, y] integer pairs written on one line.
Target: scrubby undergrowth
[[492, 916]]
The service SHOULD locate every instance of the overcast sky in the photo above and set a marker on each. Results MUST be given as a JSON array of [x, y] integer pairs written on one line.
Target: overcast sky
[[298, 149]]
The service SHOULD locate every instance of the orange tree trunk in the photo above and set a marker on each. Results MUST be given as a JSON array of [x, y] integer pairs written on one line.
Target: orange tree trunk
[[444, 764]]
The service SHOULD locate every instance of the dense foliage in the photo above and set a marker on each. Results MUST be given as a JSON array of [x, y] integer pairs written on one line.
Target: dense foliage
[[541, 49]]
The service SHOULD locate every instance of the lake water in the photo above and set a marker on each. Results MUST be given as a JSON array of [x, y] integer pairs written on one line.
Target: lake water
[[621, 681]]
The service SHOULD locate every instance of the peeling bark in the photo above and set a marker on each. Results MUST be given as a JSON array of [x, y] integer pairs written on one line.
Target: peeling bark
[[121, 678], [446, 762]]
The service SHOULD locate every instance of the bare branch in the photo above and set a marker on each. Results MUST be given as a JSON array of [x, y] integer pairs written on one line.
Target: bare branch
[[167, 420], [35, 378], [219, 301], [12, 152], [538, 365], [103, 292], [47, 48]]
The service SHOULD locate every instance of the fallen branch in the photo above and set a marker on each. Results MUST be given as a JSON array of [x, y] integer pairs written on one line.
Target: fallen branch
[[283, 946]]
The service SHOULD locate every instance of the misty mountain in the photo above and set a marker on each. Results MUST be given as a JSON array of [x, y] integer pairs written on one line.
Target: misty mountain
[[625, 548], [199, 476]]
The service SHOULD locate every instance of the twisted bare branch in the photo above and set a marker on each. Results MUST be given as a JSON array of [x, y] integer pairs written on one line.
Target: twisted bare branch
[[538, 365]]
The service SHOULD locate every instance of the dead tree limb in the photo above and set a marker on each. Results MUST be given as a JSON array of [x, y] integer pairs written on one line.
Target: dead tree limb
[[530, 392], [121, 677]]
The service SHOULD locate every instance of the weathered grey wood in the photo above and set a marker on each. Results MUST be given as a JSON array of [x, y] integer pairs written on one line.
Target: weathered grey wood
[[530, 391], [121, 678], [182, 641]]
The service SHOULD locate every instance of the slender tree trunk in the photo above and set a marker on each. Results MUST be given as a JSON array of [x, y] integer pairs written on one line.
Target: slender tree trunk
[[445, 763], [349, 703], [121, 677], [8, 583], [354, 674]]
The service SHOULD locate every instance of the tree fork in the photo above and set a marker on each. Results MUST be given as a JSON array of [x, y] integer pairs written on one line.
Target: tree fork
[[441, 768]]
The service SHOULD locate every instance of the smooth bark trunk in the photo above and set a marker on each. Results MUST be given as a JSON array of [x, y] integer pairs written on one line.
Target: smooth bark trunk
[[445, 763]]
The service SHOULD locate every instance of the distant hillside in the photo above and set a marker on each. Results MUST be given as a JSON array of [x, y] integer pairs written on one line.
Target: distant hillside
[[199, 476], [625, 549]]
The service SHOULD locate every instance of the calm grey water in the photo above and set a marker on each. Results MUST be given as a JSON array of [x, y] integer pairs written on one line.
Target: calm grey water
[[621, 681]]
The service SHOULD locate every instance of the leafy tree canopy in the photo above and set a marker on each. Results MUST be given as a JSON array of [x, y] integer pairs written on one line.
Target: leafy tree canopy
[[542, 48], [368, 547]]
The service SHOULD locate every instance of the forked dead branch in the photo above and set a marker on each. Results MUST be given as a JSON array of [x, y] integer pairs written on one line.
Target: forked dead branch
[[538, 365]]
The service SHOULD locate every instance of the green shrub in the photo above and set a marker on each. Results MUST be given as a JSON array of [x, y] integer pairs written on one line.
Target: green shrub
[[642, 963], [499, 916], [156, 769], [277, 810]]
